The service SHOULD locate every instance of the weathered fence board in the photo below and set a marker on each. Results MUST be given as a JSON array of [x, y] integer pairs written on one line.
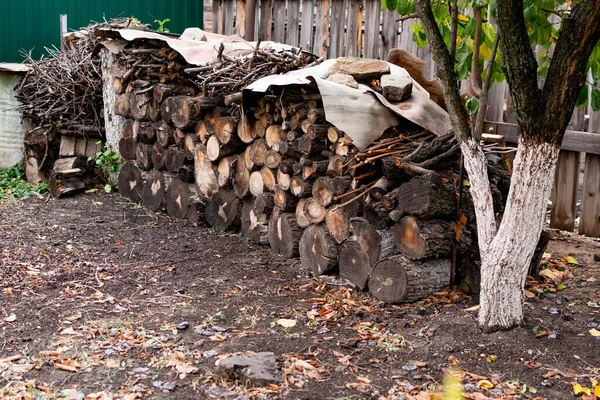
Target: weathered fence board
[[321, 29], [589, 220], [279, 18], [371, 36], [306, 30], [353, 35], [336, 30], [293, 23]]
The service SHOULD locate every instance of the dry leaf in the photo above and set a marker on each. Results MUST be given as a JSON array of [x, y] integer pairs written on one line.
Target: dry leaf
[[578, 389], [11, 318], [571, 260], [21, 368], [364, 380], [485, 384], [286, 323], [594, 332], [112, 363], [474, 308], [65, 367], [68, 331]]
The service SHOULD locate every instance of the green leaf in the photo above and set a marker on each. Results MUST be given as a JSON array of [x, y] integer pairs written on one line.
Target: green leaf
[[595, 99], [108, 188], [390, 4], [583, 96]]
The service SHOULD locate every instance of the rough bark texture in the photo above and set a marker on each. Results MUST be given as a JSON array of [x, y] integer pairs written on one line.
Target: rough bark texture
[[112, 122], [318, 251]]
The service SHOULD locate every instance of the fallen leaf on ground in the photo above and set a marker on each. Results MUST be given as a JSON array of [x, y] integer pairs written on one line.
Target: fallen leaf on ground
[[578, 389], [11, 318], [485, 384], [286, 323], [594, 332], [474, 308], [571, 260]]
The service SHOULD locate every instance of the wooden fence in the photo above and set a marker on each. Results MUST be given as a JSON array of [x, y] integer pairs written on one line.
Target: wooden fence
[[362, 28]]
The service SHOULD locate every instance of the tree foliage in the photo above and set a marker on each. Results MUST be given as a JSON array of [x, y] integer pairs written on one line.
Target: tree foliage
[[543, 20]]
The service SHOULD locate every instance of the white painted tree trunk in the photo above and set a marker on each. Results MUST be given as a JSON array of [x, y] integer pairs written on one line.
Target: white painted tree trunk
[[113, 124], [506, 252]]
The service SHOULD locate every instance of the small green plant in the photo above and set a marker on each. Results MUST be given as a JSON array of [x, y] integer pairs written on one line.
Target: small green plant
[[212, 319], [161, 25], [109, 162], [14, 186]]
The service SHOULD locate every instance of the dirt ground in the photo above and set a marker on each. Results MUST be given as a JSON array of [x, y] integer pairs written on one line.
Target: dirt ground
[[102, 299]]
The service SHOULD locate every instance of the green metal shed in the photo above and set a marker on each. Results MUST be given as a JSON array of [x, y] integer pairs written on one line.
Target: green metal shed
[[34, 24]]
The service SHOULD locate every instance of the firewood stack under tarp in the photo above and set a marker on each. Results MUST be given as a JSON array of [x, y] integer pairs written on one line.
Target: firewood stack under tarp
[[279, 172]]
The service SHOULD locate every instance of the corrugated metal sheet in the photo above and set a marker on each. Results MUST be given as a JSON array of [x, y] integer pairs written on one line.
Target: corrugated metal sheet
[[11, 130], [34, 24]]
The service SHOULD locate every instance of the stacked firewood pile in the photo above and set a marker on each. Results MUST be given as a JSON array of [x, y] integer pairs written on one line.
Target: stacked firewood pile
[[386, 217], [61, 96]]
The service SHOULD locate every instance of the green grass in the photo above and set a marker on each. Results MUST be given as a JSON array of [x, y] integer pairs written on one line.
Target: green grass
[[14, 186]]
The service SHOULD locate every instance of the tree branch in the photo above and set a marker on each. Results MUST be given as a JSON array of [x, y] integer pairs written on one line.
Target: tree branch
[[483, 103], [475, 77], [518, 62], [445, 70], [453, 29], [406, 17], [579, 35]]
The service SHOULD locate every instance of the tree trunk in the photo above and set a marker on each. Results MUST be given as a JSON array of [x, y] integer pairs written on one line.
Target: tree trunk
[[506, 253]]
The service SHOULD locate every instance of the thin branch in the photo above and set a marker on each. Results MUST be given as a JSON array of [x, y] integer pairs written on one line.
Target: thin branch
[[406, 17], [475, 77], [483, 103]]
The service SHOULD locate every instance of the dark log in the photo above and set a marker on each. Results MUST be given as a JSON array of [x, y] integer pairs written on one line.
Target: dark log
[[308, 146], [127, 129], [316, 116], [186, 173], [427, 196], [224, 211], [400, 279], [153, 110], [335, 166], [300, 187], [354, 264], [186, 113], [143, 156], [255, 218], [146, 132], [196, 213], [540, 249], [317, 132], [153, 193], [131, 182], [158, 156], [284, 200], [376, 214], [162, 91], [167, 109], [391, 171], [315, 169], [138, 105], [69, 182], [205, 177], [379, 189], [284, 234], [178, 199], [341, 184], [174, 159], [164, 134], [389, 201], [127, 148], [318, 250]]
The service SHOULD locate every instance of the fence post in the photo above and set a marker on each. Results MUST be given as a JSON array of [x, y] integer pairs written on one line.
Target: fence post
[[63, 29]]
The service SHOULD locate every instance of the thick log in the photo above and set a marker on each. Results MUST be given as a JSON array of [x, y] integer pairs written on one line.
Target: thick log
[[300, 187], [127, 147], [255, 218], [202, 132], [174, 158], [269, 179], [153, 193], [335, 166], [341, 184], [158, 156], [167, 109], [284, 200], [318, 250], [301, 217], [205, 177], [153, 110], [241, 179], [226, 130], [314, 169], [400, 279], [146, 132], [316, 116], [164, 134], [216, 151], [68, 182], [391, 171], [189, 145], [138, 105], [354, 264], [314, 211], [186, 173], [143, 156], [333, 134], [226, 170], [322, 190], [317, 132], [196, 213], [247, 159], [178, 199], [131, 182], [256, 184], [273, 135], [284, 234], [69, 164], [127, 129], [122, 105], [187, 111], [258, 152], [224, 210], [338, 225], [272, 159], [418, 239], [376, 214], [283, 180], [427, 196], [308, 146], [245, 130]]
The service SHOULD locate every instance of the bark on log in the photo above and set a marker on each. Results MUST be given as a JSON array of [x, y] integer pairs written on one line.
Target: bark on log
[[301, 217], [241, 179], [131, 182], [121, 107], [127, 147], [399, 279], [153, 110], [167, 109], [284, 200], [322, 190], [158, 156], [318, 250], [427, 196], [189, 145], [196, 213], [300, 187], [224, 211], [164, 134], [418, 239], [186, 173], [138, 105], [226, 170], [162, 91], [337, 222], [146, 132], [255, 218], [284, 234], [186, 113]]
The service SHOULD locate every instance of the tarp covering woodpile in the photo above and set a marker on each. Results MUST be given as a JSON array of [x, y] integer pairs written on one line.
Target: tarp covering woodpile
[[346, 164]]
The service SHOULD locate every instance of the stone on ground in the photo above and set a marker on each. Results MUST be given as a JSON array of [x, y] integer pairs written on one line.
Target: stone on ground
[[258, 368]]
